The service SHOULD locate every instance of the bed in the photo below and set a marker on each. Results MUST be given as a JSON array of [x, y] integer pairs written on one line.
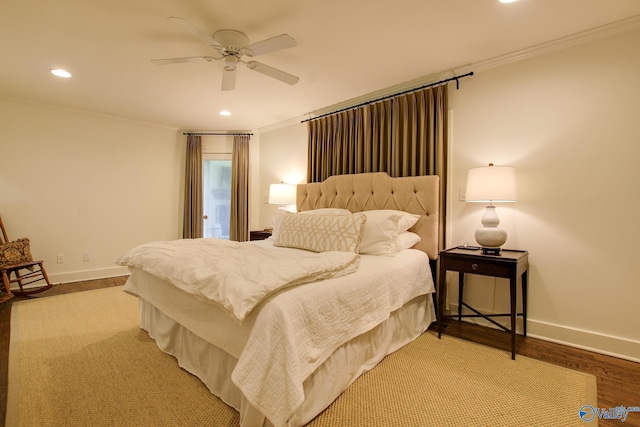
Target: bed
[[284, 358]]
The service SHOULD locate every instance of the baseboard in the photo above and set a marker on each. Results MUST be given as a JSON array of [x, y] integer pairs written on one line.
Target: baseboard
[[83, 275], [609, 345]]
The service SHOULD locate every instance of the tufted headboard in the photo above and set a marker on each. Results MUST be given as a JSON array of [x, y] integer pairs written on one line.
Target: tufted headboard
[[369, 191]]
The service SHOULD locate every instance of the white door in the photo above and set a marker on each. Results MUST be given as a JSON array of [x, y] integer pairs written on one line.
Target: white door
[[216, 173]]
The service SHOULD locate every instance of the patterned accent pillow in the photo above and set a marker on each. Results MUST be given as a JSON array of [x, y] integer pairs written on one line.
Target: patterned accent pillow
[[280, 213], [15, 252], [327, 211], [321, 233]]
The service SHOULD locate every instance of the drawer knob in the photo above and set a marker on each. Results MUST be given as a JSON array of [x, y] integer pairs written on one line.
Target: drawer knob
[[474, 266]]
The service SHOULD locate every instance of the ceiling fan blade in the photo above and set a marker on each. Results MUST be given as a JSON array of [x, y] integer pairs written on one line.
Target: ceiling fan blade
[[283, 41], [228, 79], [273, 72], [181, 60], [195, 31]]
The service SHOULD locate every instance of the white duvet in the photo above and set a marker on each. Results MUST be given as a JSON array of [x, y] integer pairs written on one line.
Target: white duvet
[[287, 337], [236, 275]]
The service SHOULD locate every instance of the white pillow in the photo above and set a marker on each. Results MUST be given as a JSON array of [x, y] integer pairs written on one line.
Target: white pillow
[[320, 233], [382, 229], [380, 233], [407, 221], [407, 240]]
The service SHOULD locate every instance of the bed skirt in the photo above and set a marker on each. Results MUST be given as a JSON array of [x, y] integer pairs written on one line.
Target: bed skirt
[[214, 366]]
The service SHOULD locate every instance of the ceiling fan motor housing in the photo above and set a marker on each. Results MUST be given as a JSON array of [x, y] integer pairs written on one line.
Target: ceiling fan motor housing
[[232, 40]]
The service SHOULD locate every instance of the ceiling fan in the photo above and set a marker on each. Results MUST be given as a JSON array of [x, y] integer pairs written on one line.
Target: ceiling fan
[[232, 46]]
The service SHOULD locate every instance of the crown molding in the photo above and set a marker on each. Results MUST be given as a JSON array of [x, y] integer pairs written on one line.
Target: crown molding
[[561, 43], [498, 61], [40, 104], [286, 123]]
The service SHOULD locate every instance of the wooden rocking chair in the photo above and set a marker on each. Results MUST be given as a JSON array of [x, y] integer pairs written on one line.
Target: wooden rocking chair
[[17, 266]]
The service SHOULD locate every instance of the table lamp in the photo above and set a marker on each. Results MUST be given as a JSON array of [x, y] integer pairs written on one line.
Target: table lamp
[[491, 184], [282, 194]]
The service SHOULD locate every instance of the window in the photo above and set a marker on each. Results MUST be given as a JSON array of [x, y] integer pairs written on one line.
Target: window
[[216, 173]]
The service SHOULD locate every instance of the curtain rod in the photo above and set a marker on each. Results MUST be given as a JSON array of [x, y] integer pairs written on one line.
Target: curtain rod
[[456, 78], [218, 133]]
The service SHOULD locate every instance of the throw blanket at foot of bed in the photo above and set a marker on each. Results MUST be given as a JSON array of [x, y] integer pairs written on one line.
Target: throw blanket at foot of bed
[[236, 275]]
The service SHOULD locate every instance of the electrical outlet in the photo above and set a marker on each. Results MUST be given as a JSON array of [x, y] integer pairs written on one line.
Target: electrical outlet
[[86, 256], [60, 259]]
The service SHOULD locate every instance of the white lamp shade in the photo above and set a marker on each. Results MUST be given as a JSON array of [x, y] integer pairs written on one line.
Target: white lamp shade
[[282, 194], [491, 184]]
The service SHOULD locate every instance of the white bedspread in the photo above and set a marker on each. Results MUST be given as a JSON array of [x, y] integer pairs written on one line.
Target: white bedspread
[[236, 275], [306, 324], [296, 330]]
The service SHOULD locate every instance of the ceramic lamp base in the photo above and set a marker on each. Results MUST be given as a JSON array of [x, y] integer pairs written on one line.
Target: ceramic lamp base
[[490, 237]]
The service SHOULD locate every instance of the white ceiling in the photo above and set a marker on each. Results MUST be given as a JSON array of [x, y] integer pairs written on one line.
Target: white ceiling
[[346, 49]]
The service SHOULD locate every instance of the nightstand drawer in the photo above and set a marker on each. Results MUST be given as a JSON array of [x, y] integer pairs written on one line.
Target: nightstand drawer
[[479, 267]]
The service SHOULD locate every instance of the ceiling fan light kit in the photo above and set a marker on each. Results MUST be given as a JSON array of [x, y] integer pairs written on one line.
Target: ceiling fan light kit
[[232, 46], [230, 63]]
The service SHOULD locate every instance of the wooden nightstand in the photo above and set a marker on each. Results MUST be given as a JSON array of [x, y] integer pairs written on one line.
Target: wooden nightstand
[[259, 235], [509, 264]]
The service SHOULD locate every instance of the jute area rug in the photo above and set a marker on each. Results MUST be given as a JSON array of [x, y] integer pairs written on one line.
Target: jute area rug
[[81, 360]]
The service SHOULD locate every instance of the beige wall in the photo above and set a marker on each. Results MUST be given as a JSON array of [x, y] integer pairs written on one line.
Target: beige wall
[[75, 182], [283, 158], [568, 121]]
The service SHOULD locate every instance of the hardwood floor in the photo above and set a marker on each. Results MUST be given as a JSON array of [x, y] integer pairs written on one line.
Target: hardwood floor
[[618, 380]]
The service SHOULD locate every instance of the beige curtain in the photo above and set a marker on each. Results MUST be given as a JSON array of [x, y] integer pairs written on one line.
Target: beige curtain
[[239, 223], [420, 139], [377, 140], [405, 135], [193, 207]]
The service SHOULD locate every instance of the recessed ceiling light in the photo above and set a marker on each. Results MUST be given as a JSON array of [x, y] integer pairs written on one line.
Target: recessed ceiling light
[[61, 73], [508, 1], [225, 113]]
